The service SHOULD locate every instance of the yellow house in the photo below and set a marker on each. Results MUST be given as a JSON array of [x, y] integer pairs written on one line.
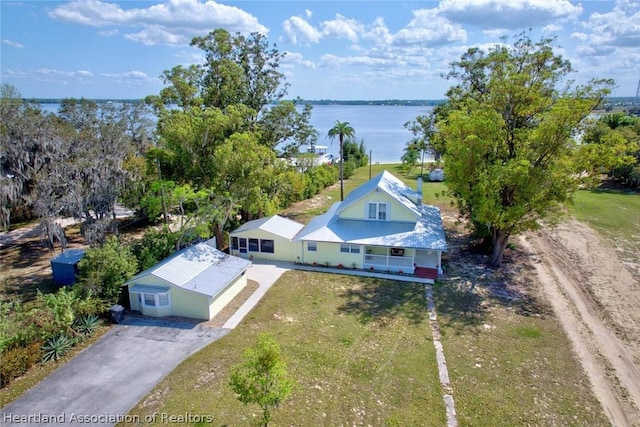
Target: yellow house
[[381, 226], [268, 238], [195, 282]]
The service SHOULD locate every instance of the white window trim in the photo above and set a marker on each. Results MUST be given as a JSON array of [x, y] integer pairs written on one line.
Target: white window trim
[[377, 205], [156, 300], [315, 246]]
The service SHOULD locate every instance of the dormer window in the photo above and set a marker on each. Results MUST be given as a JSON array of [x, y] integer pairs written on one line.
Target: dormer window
[[377, 211]]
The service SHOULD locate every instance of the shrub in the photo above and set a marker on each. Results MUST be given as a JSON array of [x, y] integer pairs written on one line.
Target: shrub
[[17, 361], [87, 325], [56, 347], [103, 270]]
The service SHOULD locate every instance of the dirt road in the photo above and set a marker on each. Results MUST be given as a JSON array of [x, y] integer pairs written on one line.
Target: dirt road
[[597, 300]]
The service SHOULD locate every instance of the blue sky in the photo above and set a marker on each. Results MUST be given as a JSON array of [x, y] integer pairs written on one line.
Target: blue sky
[[335, 49]]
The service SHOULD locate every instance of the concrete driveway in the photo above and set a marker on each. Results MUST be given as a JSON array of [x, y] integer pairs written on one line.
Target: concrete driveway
[[108, 378]]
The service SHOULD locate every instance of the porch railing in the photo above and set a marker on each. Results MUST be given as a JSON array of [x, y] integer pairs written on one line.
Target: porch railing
[[388, 261]]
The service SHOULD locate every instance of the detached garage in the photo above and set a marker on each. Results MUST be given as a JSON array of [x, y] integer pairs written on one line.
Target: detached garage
[[267, 238], [195, 282]]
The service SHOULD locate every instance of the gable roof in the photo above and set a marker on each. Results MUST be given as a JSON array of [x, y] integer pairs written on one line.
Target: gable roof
[[391, 185], [199, 268], [425, 233], [275, 224]]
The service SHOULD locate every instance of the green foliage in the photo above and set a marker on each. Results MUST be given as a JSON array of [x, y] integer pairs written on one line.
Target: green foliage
[[356, 153], [61, 305], [222, 137], [87, 325], [508, 133], [56, 347], [17, 361], [155, 246], [344, 132], [611, 145], [261, 378], [103, 270]]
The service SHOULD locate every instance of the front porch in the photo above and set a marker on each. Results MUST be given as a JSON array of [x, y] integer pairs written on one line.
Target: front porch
[[419, 262]]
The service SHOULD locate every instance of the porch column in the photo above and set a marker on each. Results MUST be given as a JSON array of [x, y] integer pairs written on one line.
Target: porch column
[[440, 271]]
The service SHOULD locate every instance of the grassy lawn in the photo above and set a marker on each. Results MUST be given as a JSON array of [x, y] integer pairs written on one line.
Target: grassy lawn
[[615, 215], [511, 364], [359, 351]]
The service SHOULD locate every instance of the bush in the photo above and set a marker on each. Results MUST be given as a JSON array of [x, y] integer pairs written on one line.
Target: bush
[[103, 270], [17, 361], [87, 325], [56, 347], [155, 246]]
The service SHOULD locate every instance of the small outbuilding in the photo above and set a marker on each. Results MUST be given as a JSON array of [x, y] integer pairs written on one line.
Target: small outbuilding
[[196, 282], [65, 266]]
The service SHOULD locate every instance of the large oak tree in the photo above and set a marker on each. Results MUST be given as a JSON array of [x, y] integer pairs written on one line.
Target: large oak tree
[[508, 132]]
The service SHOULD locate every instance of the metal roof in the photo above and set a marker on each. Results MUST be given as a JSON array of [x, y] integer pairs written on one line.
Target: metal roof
[[149, 289], [200, 268], [70, 256], [426, 233], [275, 224], [391, 185]]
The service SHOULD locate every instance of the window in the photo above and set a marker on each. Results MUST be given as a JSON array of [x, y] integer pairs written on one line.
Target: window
[[377, 211], [382, 211], [243, 245], [149, 300], [163, 300], [345, 247], [267, 246], [253, 245], [311, 246], [234, 243]]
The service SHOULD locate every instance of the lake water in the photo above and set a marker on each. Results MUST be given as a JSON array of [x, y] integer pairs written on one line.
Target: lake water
[[380, 126]]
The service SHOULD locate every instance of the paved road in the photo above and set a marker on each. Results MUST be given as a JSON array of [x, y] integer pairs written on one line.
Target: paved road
[[110, 377]]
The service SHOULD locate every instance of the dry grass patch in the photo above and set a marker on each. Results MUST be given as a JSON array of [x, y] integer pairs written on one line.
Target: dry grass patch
[[359, 351]]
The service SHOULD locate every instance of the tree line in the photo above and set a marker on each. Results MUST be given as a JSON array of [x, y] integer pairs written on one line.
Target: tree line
[[215, 153]]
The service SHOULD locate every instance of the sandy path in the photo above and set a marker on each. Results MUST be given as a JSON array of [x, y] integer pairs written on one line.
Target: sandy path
[[598, 302]]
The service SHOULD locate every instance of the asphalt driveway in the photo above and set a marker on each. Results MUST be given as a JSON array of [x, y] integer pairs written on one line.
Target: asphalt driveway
[[107, 379]]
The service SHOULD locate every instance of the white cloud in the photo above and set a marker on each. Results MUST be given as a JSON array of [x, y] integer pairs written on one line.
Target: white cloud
[[12, 43], [620, 27], [428, 27], [52, 72], [378, 33], [131, 77], [299, 30], [342, 27], [173, 21], [109, 33], [508, 14], [308, 13], [295, 58]]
